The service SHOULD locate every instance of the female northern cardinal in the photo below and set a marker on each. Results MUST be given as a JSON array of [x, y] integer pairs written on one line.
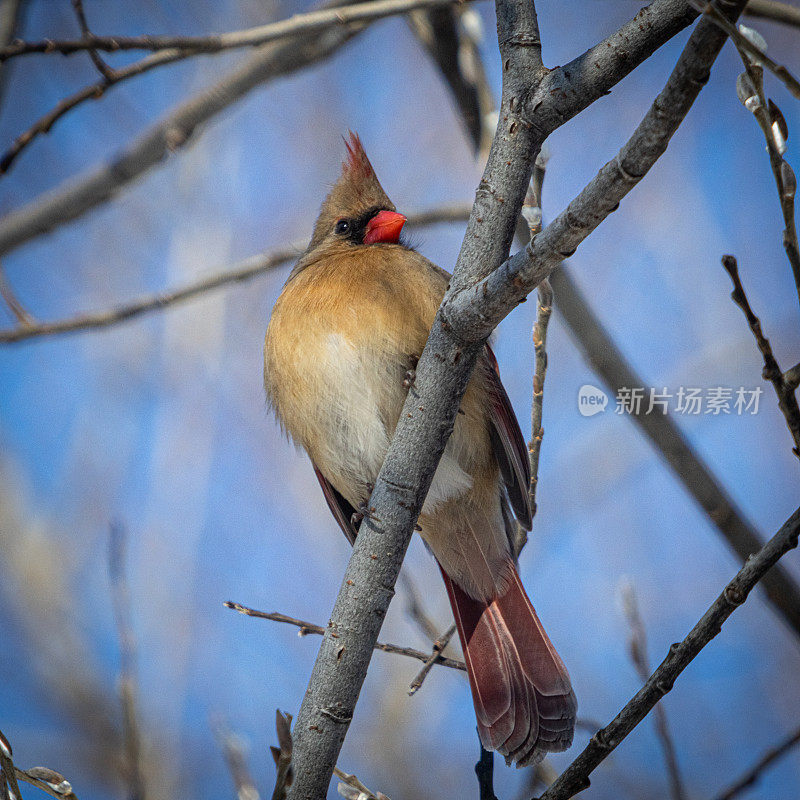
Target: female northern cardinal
[[350, 323]]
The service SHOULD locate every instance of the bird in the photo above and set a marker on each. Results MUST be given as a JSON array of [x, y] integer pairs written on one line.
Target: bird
[[341, 346]]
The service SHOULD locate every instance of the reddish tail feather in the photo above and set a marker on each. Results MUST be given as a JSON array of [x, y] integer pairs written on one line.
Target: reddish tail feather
[[523, 698]]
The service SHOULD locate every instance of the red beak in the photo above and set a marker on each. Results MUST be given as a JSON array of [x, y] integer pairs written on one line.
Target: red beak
[[384, 227]]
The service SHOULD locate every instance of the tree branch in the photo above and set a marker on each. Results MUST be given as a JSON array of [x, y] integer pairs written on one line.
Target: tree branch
[[669, 440], [249, 268], [576, 777], [310, 627], [637, 647], [787, 401], [127, 682], [775, 11], [298, 24], [757, 770], [750, 89], [754, 52], [434, 658]]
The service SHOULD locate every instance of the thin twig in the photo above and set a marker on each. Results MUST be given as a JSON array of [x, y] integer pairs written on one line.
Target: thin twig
[[532, 214], [484, 769], [24, 319], [48, 780], [638, 654], [282, 755], [543, 311], [576, 777], [120, 600], [757, 770], [743, 43], [435, 656], [310, 627], [352, 788], [415, 608], [103, 68], [234, 752], [243, 271], [750, 89], [787, 401], [309, 22], [8, 772]]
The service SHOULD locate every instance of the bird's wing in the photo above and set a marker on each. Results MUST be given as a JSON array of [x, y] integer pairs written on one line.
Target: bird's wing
[[509, 447], [340, 508]]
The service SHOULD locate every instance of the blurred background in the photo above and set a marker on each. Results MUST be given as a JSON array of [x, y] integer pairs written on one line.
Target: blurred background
[[159, 425]]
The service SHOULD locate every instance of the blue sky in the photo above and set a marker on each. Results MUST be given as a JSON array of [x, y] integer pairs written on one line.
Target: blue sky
[[161, 423]]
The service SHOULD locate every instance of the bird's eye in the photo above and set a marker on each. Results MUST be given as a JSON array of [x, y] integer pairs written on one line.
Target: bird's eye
[[342, 226]]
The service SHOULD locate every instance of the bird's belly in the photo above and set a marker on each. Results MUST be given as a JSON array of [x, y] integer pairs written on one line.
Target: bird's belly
[[344, 410]]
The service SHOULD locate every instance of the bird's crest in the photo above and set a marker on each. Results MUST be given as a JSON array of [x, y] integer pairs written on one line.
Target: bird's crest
[[356, 166]]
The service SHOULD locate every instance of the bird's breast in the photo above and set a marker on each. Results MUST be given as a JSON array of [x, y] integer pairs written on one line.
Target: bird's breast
[[337, 349]]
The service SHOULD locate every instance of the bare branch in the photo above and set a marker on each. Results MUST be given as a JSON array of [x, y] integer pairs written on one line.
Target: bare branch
[[532, 214], [120, 601], [10, 21], [78, 195], [310, 627], [233, 750], [435, 656], [103, 68], [484, 769], [576, 777], [775, 11], [24, 319], [283, 755], [48, 780], [243, 271], [787, 401], [169, 49], [8, 772], [352, 788], [757, 770], [750, 89], [638, 654], [452, 47], [415, 608], [296, 25]]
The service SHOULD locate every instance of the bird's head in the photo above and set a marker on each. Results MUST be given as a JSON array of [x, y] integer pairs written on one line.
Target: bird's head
[[357, 211]]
